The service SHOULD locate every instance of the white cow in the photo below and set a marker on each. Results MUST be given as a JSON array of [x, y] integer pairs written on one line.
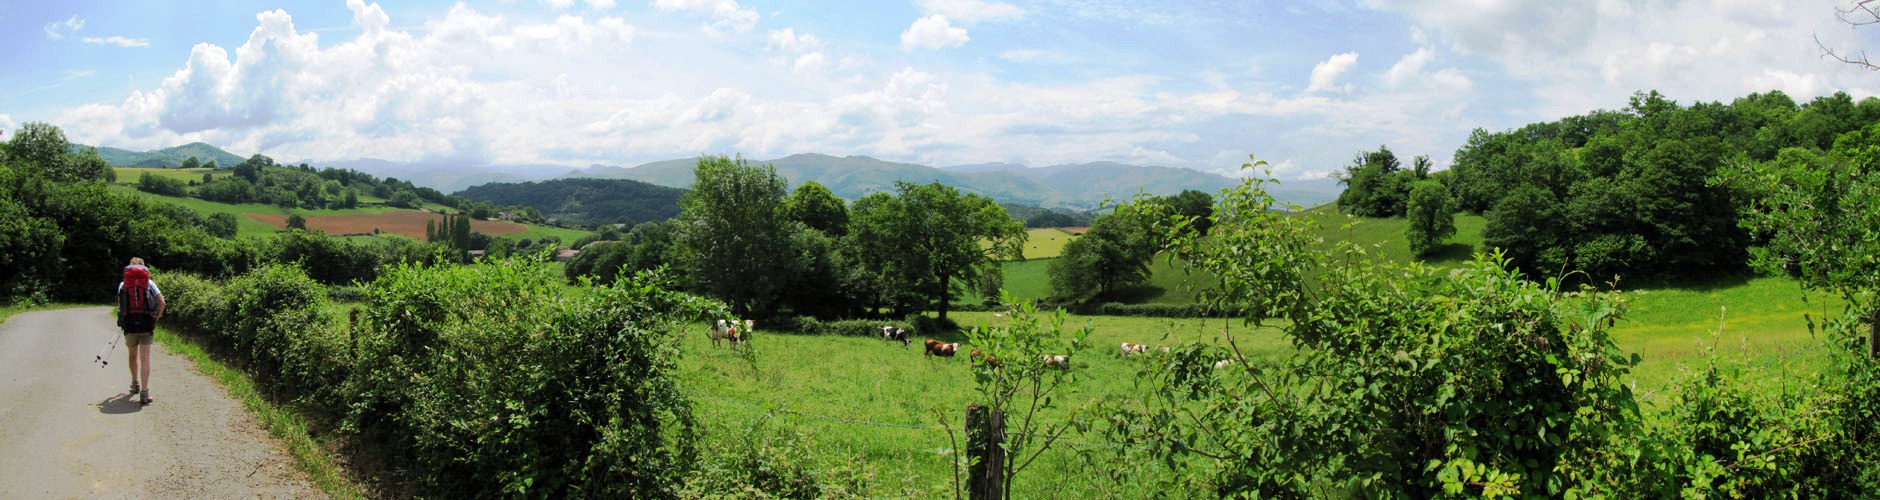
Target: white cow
[[719, 331]]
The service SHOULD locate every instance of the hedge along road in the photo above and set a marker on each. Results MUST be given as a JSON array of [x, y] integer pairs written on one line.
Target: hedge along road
[[69, 428]]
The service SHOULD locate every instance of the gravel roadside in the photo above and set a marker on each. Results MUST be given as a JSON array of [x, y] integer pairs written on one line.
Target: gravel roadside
[[69, 428]]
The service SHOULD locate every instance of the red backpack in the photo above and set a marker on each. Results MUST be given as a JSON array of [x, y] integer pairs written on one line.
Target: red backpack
[[135, 298]]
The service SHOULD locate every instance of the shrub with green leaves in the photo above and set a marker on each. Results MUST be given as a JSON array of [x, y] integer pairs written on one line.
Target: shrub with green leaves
[[1407, 381], [277, 321], [494, 378]]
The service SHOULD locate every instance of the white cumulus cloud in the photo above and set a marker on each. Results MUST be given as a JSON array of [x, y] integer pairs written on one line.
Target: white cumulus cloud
[[727, 13], [1409, 66], [788, 41], [932, 32], [1325, 74]]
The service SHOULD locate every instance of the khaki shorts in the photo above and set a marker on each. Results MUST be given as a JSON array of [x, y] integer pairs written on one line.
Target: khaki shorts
[[137, 339]]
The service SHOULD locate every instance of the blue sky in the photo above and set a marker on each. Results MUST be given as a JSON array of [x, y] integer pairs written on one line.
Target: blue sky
[[1302, 84]]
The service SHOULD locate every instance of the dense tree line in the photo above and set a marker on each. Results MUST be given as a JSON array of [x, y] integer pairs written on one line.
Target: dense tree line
[[743, 238], [64, 235], [1617, 193], [584, 202]]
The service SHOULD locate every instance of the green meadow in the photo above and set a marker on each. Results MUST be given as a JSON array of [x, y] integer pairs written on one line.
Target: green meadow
[[866, 401]]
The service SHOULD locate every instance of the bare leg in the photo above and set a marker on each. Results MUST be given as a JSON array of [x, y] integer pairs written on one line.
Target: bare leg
[[132, 352], [143, 374]]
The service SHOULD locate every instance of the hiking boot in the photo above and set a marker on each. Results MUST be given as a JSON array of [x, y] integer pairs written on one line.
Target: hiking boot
[[144, 397], [133, 386]]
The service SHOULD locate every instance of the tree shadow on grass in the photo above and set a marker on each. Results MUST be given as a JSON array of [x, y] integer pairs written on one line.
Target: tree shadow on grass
[[1137, 294], [1451, 253], [1705, 282]]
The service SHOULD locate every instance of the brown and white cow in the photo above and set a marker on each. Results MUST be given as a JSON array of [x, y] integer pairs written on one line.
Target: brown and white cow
[[938, 348]]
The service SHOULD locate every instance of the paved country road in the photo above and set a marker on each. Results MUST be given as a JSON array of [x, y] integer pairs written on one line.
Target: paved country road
[[69, 428]]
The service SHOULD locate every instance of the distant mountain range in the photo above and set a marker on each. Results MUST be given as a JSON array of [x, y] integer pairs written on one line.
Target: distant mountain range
[[1078, 186]]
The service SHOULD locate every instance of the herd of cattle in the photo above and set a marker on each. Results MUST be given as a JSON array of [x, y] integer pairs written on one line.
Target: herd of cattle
[[738, 333]]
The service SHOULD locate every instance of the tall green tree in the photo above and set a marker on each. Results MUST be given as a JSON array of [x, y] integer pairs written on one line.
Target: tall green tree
[[1112, 255], [41, 149], [1195, 205], [933, 240], [1432, 218], [1375, 185], [818, 208], [733, 236], [1817, 219]]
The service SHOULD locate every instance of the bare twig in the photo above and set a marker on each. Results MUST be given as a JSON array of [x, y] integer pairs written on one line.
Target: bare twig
[[1861, 13]]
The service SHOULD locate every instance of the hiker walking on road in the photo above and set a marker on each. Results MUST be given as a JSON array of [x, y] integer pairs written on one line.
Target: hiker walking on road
[[140, 303]]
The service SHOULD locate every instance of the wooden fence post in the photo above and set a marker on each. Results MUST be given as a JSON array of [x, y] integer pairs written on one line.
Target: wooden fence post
[[985, 451]]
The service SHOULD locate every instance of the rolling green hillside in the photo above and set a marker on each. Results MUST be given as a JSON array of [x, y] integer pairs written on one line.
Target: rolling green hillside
[[585, 201], [1385, 237], [249, 226], [166, 157]]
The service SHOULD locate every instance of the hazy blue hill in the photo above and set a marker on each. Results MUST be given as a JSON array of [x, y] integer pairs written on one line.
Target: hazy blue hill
[[984, 167], [166, 157]]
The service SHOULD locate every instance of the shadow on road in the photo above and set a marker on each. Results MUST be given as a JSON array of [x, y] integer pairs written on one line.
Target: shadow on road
[[119, 404]]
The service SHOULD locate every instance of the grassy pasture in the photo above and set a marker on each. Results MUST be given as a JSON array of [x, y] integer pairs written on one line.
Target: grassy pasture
[[892, 388], [889, 388], [1384, 238], [1046, 243]]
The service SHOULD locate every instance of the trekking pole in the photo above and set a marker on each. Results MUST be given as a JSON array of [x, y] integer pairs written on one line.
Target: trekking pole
[[108, 349]]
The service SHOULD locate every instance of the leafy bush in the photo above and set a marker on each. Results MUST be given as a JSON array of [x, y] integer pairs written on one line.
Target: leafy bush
[[494, 379], [194, 304], [861, 327], [1407, 382], [277, 321], [154, 184]]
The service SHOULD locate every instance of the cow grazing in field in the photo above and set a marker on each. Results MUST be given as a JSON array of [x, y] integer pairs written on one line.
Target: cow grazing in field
[[938, 348], [739, 336], [719, 331], [987, 359], [893, 333], [1057, 361], [1131, 349]]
